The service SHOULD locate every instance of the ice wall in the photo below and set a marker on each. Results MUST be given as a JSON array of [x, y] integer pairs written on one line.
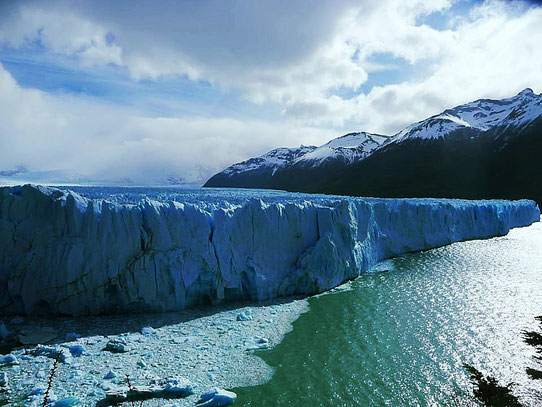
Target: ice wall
[[61, 253]]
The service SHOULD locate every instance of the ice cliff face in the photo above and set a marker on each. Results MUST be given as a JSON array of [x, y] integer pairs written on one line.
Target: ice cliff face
[[61, 253]]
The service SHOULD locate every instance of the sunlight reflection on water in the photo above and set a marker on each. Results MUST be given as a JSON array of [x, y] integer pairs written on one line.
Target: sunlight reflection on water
[[399, 335]]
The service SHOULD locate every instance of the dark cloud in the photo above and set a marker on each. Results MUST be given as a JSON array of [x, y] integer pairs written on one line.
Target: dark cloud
[[268, 33]]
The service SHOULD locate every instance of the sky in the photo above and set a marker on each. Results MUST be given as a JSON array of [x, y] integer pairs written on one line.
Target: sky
[[139, 91]]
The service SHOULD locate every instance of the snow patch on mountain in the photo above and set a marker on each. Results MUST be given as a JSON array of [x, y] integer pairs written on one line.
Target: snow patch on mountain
[[481, 114], [273, 160], [351, 147], [457, 120], [501, 117]]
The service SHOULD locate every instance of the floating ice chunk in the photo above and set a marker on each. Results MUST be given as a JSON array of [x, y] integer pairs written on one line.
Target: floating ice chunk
[[117, 345], [37, 391], [216, 398], [167, 388], [148, 330], [77, 350], [244, 316], [256, 343], [8, 360], [63, 355], [177, 387], [66, 402], [36, 394], [4, 383]]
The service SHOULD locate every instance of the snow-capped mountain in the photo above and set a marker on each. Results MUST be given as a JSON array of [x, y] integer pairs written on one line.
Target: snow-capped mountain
[[271, 168], [273, 160], [347, 149], [350, 147], [482, 149], [481, 115]]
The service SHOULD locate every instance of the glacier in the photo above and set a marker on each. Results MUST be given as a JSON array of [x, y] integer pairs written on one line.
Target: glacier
[[62, 253]]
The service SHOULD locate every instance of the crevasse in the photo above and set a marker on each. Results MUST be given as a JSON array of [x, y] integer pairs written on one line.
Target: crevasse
[[61, 253]]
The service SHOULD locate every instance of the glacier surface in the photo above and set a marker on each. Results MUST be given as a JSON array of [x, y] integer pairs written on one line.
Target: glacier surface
[[64, 253]]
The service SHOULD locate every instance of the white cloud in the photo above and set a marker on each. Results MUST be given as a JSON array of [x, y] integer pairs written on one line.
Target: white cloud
[[267, 49], [300, 55], [491, 53], [46, 132], [63, 33]]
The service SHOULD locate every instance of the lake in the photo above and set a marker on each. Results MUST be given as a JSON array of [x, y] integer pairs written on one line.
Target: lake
[[399, 335]]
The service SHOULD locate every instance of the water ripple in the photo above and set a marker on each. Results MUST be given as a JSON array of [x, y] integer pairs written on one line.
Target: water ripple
[[400, 337]]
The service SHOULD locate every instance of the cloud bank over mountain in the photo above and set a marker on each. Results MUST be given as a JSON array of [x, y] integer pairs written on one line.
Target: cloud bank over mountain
[[209, 83]]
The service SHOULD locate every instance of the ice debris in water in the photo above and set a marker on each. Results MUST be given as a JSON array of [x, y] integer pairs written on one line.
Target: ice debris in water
[[35, 397], [77, 350], [216, 398], [256, 342], [8, 360], [4, 384], [37, 391], [118, 345], [244, 315], [66, 402], [166, 388], [75, 374], [63, 355], [148, 330]]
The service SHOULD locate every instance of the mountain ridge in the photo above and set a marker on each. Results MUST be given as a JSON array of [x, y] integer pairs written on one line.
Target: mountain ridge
[[482, 149], [271, 168]]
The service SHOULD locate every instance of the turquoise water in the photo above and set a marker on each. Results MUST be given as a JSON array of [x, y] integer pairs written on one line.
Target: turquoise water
[[399, 335]]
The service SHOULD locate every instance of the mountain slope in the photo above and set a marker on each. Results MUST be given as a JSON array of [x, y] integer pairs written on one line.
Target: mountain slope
[[291, 168], [348, 149], [482, 149], [482, 115], [495, 153], [458, 167]]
